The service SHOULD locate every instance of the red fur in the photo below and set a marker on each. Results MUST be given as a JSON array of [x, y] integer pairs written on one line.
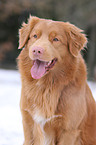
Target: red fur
[[57, 109]]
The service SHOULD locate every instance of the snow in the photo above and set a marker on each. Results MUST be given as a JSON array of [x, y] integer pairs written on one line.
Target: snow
[[11, 131]]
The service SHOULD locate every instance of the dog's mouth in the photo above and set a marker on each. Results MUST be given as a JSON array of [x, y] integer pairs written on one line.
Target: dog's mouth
[[39, 67]]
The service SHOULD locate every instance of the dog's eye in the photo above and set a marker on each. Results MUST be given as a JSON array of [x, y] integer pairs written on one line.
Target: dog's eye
[[55, 39], [35, 36]]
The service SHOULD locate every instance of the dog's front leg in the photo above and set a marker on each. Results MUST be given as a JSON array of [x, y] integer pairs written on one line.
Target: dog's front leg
[[70, 138], [27, 127]]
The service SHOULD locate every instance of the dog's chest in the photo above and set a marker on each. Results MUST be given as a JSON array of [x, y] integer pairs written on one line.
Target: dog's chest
[[40, 121], [38, 117], [42, 102], [42, 105]]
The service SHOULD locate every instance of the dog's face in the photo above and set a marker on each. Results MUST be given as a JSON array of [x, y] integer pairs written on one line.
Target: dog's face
[[49, 43]]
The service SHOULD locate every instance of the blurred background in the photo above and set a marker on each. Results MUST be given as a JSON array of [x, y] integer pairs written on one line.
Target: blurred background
[[82, 13]]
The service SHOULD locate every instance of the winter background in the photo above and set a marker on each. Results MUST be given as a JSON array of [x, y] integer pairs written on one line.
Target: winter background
[[11, 131]]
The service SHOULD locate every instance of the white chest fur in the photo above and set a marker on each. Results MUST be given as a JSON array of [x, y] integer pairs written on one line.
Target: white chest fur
[[40, 120]]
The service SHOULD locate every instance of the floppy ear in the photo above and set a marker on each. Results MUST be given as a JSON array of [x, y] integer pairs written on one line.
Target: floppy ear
[[76, 39], [25, 30]]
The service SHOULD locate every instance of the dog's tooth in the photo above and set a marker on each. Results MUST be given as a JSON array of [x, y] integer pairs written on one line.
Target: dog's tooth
[[49, 62]]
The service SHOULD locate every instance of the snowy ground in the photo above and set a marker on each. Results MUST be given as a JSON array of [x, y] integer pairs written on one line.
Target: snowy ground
[[11, 132]]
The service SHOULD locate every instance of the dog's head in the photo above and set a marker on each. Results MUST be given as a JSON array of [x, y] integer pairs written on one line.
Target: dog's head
[[50, 44]]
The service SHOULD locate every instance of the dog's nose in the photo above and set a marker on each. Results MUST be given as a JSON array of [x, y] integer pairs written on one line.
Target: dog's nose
[[37, 50]]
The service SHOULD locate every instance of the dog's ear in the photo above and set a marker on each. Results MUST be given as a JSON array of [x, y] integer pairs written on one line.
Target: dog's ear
[[76, 39], [25, 30]]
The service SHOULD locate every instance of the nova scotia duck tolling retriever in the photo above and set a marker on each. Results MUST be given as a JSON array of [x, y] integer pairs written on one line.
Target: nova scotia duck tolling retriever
[[56, 103]]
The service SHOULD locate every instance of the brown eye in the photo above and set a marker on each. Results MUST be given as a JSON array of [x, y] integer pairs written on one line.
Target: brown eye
[[35, 36], [55, 39]]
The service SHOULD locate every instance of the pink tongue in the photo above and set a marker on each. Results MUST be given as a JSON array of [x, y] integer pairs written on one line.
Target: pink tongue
[[38, 69]]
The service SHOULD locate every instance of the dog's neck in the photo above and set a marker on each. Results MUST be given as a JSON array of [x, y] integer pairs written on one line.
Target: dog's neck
[[43, 91]]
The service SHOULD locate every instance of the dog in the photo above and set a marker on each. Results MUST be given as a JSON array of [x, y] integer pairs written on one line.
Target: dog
[[56, 103]]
